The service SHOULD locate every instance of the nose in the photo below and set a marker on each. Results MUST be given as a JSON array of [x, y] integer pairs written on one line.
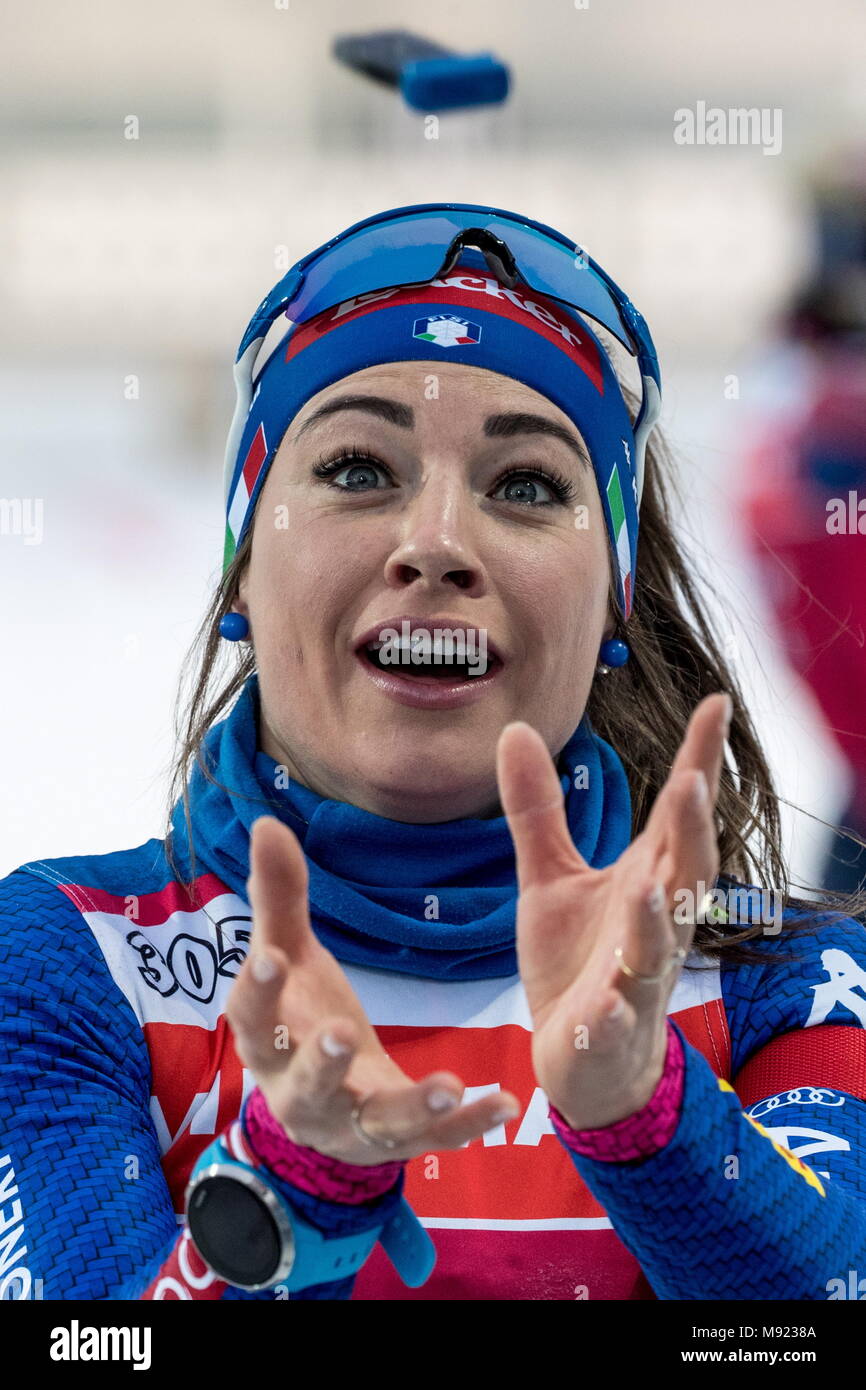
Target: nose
[[438, 543]]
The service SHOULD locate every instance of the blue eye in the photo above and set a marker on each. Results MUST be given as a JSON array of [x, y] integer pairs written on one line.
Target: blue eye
[[530, 489], [352, 483], [562, 489], [358, 462], [343, 463]]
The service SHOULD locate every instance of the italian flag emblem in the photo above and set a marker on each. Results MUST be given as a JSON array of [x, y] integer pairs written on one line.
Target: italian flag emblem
[[239, 505], [620, 531]]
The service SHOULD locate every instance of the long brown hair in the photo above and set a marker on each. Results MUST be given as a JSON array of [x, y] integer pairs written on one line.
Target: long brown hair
[[642, 709]]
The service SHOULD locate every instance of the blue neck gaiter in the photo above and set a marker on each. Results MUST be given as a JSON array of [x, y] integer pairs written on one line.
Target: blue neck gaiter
[[434, 900]]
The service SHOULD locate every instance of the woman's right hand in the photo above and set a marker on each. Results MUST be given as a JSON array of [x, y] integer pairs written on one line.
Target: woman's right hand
[[310, 1046]]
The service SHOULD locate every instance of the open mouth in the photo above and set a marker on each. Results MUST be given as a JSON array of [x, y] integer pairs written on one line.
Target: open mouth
[[436, 665], [429, 663]]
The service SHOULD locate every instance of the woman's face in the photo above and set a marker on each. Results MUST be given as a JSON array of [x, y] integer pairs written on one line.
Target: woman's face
[[429, 526]]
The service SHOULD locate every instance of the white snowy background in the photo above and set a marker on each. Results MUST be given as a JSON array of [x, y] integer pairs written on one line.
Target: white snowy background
[[146, 257]]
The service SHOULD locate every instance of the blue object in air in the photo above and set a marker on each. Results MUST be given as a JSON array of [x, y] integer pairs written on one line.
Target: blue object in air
[[442, 84]]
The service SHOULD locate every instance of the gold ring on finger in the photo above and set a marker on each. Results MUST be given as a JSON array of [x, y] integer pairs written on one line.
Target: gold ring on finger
[[362, 1133], [678, 955]]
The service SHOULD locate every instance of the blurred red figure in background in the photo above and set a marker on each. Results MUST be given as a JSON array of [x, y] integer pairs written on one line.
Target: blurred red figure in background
[[806, 510]]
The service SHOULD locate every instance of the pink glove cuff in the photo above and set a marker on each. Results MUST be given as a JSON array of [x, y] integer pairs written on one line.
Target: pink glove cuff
[[321, 1176], [639, 1135]]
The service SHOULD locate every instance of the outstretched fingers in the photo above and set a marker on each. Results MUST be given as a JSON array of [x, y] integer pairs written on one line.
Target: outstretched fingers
[[314, 1098], [532, 799], [277, 889], [701, 751], [281, 938], [254, 1012], [704, 743], [649, 946], [430, 1115]]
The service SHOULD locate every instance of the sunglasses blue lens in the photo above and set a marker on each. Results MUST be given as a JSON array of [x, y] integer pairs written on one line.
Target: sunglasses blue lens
[[411, 250], [401, 251]]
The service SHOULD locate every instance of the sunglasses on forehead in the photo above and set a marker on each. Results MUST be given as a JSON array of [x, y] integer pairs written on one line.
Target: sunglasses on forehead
[[422, 242]]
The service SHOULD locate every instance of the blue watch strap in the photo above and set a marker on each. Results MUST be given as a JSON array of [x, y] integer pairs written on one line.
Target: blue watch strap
[[321, 1259], [403, 1238], [408, 1246]]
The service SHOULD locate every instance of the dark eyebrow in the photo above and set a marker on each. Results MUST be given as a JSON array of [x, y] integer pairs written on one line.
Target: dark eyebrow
[[519, 422], [393, 411], [502, 426]]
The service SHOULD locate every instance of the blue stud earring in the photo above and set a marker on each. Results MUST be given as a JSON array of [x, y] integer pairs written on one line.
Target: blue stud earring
[[234, 627], [612, 653]]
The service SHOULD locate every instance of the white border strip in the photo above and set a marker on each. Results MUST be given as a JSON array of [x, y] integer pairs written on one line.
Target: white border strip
[[557, 1223]]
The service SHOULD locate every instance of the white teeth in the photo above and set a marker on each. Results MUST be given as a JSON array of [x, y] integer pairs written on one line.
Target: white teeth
[[423, 648], [438, 652], [417, 639]]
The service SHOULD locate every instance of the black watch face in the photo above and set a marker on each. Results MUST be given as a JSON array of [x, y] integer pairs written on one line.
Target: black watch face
[[234, 1231]]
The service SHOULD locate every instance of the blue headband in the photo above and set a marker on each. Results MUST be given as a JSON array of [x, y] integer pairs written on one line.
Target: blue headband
[[468, 317]]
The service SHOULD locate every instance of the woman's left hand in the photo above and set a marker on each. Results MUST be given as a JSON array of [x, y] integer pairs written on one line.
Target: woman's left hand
[[599, 1036]]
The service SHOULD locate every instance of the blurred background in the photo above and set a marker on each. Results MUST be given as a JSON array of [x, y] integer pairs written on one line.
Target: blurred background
[[162, 166]]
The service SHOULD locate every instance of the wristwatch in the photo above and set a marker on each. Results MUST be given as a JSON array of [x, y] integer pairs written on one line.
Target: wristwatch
[[248, 1234]]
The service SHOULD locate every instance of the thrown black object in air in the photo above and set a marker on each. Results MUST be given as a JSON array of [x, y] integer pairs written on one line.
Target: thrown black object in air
[[429, 77]]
